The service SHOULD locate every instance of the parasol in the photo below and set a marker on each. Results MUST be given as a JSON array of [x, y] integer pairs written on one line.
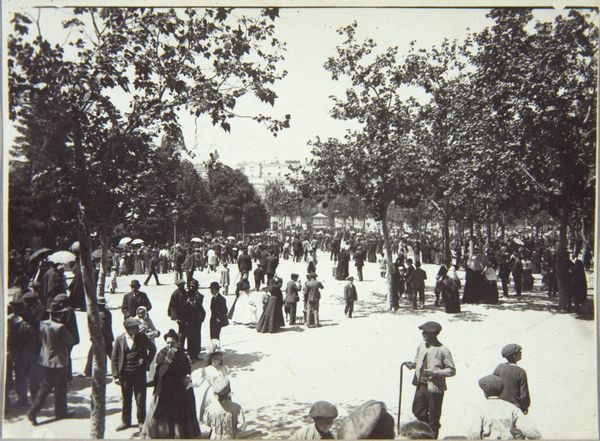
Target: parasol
[[63, 257], [196, 239], [230, 238], [125, 241], [74, 246], [98, 253], [137, 241], [40, 254], [518, 242]]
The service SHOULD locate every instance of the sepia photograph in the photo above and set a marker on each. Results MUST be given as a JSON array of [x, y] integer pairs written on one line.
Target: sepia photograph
[[299, 220]]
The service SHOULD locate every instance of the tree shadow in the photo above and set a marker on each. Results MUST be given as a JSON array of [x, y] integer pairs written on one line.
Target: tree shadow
[[292, 328], [234, 361], [467, 316], [526, 302]]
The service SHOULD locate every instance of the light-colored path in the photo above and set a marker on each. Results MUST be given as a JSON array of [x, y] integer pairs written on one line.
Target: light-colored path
[[276, 377]]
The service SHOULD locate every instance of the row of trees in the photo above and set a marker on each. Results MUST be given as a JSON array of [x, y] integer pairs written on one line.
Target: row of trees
[[95, 156], [508, 125], [291, 204]]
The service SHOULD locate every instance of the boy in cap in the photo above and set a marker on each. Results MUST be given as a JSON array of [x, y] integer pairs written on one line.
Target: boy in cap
[[499, 419], [349, 297], [323, 413], [291, 299], [433, 364], [134, 299], [516, 389]]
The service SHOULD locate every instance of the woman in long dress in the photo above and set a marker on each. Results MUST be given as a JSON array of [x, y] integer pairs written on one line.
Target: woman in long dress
[[208, 375], [448, 287], [172, 412], [242, 312], [272, 317], [342, 264]]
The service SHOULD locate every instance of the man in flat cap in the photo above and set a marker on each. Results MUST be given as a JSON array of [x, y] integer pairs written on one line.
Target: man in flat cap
[[433, 363], [131, 357], [497, 418], [134, 299], [323, 413], [516, 389]]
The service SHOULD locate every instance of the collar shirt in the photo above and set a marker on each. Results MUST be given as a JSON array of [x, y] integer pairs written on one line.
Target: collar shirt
[[499, 419], [436, 358]]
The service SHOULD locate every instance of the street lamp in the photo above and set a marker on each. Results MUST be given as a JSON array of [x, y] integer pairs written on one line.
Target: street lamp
[[175, 214], [243, 226]]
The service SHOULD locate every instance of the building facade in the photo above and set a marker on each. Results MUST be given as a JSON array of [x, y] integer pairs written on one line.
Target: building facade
[[259, 174]]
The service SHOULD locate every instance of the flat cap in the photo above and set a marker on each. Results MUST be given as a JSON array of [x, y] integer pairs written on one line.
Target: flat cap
[[323, 409], [431, 327], [179, 282], [131, 323], [492, 385], [510, 350], [368, 421], [221, 386]]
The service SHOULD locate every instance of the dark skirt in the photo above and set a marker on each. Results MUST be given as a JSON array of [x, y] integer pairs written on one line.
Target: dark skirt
[[451, 301], [342, 270], [272, 317], [491, 292], [527, 280], [474, 286]]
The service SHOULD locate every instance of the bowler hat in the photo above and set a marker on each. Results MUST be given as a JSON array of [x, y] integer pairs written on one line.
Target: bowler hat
[[492, 385], [179, 282], [131, 323], [194, 283], [431, 327], [135, 282], [56, 307], [221, 386], [214, 285], [323, 409], [172, 333], [62, 297], [510, 350]]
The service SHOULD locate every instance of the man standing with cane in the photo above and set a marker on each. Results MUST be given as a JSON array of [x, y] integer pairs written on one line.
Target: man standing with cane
[[433, 363]]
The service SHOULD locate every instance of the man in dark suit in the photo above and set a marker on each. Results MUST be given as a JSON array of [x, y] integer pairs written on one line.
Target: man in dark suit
[[131, 357], [218, 312], [271, 263], [244, 262], [69, 319], [54, 361], [417, 281], [176, 303], [153, 268], [291, 299], [349, 297], [134, 299], [192, 316], [517, 272]]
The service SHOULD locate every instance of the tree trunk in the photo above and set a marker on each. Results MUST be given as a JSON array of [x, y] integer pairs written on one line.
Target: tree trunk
[[446, 239], [562, 262], [488, 234], [103, 267], [471, 238], [388, 256], [98, 397]]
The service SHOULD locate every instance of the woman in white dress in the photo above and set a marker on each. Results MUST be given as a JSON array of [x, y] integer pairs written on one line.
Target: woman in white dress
[[241, 309], [208, 375]]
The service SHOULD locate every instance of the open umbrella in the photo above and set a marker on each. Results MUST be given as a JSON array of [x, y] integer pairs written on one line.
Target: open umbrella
[[74, 246], [518, 242], [231, 238], [196, 239], [137, 241], [63, 257], [125, 241], [40, 254], [98, 253]]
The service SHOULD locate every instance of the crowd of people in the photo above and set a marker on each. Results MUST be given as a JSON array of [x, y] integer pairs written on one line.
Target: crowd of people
[[43, 328]]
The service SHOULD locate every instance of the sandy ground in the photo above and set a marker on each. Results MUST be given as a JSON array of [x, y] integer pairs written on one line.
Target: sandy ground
[[276, 377]]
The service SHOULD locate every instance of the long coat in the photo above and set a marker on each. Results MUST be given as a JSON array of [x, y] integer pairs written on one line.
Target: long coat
[[176, 304], [132, 301], [56, 341]]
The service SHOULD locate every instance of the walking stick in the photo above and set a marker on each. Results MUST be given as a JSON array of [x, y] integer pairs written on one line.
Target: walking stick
[[400, 396]]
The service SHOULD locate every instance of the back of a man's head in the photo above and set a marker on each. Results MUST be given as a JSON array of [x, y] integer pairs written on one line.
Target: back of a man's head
[[416, 430]]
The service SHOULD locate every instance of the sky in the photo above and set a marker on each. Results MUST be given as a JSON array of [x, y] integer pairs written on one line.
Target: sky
[[310, 37]]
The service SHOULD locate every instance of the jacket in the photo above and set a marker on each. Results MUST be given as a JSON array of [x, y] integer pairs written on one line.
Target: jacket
[[350, 293], [176, 303], [218, 310], [56, 341], [131, 303], [516, 389], [439, 361], [244, 263], [291, 292], [141, 342], [417, 278]]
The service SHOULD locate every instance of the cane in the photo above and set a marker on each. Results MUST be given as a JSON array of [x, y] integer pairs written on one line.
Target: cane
[[400, 395]]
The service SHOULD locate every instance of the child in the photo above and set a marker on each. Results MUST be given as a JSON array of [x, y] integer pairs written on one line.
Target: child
[[382, 266], [113, 280], [516, 389], [224, 417], [349, 296], [499, 419], [323, 414], [225, 279]]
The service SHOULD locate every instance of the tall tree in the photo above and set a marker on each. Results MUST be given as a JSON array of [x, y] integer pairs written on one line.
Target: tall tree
[[164, 61]]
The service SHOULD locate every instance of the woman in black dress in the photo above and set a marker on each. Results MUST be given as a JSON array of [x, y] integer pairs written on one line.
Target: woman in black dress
[[272, 317], [172, 412]]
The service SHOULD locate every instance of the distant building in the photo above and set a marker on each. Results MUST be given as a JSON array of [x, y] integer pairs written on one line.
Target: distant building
[[259, 174]]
